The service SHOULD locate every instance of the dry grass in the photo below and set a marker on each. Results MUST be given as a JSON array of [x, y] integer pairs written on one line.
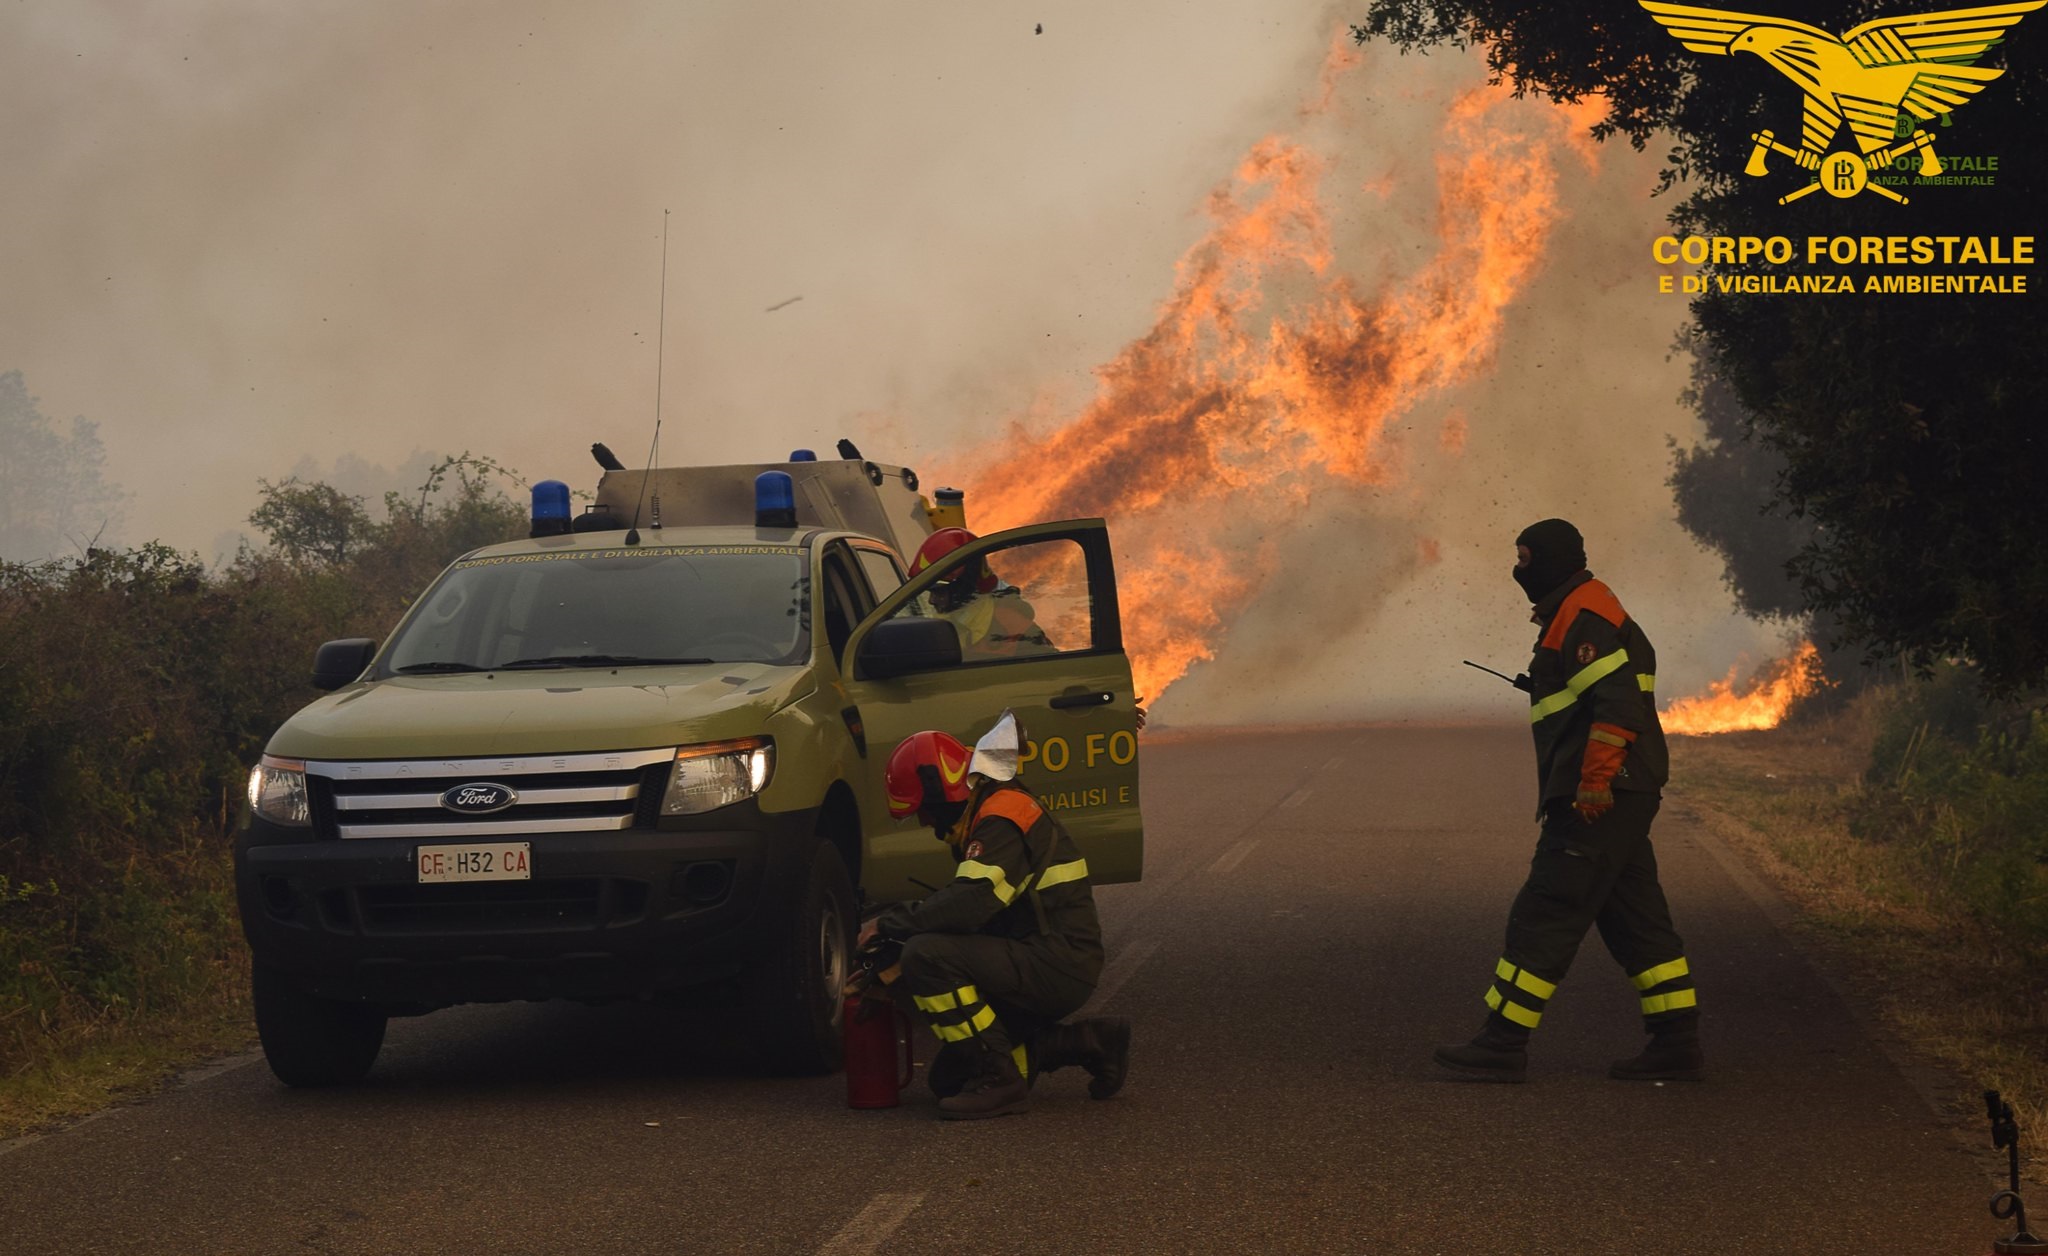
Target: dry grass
[[1948, 989], [91, 1070]]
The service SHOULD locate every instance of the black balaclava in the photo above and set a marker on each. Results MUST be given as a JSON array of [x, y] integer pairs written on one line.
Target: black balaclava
[[937, 810], [1556, 553]]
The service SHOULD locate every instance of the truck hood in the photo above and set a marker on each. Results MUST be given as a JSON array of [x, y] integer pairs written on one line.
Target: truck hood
[[539, 712]]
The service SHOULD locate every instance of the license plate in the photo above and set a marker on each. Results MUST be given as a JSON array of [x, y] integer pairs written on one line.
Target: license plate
[[490, 861]]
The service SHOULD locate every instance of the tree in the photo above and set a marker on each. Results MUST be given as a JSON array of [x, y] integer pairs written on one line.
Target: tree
[[315, 527], [1906, 423], [460, 507], [310, 522], [1725, 487], [54, 497]]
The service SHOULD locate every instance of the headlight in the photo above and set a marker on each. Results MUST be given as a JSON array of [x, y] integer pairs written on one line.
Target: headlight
[[717, 774], [277, 791]]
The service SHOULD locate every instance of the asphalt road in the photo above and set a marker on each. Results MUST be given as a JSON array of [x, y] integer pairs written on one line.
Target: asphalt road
[[1319, 910]]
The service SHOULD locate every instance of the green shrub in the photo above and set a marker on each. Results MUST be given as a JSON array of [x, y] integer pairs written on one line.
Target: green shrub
[[136, 688], [1962, 783]]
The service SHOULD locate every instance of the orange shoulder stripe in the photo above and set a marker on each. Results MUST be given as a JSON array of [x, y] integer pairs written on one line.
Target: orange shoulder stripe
[[1591, 596], [1014, 805]]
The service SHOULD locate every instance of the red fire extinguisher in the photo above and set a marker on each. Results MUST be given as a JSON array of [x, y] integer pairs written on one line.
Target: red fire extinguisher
[[870, 1028]]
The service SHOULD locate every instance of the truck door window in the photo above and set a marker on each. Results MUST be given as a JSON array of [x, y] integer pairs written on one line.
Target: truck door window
[[843, 605], [883, 575], [1026, 601]]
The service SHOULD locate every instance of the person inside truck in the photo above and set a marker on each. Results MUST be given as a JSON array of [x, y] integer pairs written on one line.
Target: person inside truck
[[992, 618]]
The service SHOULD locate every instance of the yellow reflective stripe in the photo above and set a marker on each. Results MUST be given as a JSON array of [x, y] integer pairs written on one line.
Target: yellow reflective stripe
[[1511, 1009], [1525, 979], [1520, 1015], [965, 996], [1646, 682], [1585, 678], [966, 1029], [1660, 974], [1060, 874], [1607, 738], [975, 870], [1655, 1003], [1023, 1059], [1551, 705]]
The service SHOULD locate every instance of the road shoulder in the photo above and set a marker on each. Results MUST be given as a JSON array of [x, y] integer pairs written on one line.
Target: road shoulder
[[1773, 810]]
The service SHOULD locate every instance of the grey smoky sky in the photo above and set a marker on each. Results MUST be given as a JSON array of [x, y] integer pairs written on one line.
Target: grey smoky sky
[[252, 237]]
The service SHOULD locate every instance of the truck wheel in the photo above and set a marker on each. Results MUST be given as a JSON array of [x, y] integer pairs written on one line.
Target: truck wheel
[[793, 991], [310, 1041]]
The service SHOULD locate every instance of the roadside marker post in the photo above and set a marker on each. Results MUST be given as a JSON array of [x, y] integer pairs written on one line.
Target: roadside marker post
[[2005, 1136]]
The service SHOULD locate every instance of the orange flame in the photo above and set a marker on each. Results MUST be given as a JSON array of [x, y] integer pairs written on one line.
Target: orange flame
[[1762, 703], [1224, 417]]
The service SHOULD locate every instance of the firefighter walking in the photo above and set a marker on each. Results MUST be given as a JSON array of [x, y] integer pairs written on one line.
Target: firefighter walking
[[1600, 764], [993, 960]]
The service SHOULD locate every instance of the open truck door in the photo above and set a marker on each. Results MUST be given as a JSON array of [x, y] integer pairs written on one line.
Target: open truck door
[[1025, 620]]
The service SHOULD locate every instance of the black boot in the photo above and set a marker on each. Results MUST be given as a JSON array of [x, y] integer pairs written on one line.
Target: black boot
[[1102, 1046], [996, 1089], [1672, 1055], [951, 1069], [1499, 1054]]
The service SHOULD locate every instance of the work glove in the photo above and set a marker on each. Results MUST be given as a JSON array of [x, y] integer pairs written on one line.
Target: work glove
[[879, 961], [1606, 751]]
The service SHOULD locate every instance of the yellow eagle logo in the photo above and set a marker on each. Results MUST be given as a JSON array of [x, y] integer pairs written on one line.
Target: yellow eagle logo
[[1883, 78]]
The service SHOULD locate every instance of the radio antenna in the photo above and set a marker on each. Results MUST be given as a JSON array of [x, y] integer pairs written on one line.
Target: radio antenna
[[660, 352]]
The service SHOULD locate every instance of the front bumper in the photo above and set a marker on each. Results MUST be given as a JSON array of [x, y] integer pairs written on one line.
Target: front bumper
[[615, 914]]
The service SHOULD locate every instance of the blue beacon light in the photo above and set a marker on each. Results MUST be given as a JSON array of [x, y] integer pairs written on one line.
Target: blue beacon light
[[550, 508], [774, 500], [803, 455]]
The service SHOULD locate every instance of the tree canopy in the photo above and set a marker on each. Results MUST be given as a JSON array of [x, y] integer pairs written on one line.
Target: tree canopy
[[1907, 424], [1722, 486], [54, 496], [460, 506]]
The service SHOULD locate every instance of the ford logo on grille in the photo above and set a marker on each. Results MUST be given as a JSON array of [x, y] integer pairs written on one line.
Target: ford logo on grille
[[479, 798]]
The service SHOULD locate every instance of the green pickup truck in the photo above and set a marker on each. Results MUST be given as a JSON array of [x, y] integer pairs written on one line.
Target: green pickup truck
[[612, 763]]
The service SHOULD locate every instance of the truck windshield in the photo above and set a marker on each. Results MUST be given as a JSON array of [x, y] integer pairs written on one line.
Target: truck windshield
[[611, 608]]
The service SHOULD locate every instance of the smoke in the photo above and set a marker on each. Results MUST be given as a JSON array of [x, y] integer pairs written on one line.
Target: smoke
[[247, 237]]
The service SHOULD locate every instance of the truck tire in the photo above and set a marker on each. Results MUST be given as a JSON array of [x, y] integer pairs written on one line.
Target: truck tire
[[792, 991], [311, 1041]]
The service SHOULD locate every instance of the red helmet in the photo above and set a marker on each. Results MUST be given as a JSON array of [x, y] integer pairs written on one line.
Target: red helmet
[[930, 760], [943, 542]]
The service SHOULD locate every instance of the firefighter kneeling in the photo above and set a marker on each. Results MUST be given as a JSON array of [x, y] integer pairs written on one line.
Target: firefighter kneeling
[[993, 959]]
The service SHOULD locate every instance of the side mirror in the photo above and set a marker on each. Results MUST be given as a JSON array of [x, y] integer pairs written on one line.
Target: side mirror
[[898, 647], [339, 662]]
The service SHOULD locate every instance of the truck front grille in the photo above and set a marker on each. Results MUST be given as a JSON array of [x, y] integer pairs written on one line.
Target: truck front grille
[[554, 794], [495, 906]]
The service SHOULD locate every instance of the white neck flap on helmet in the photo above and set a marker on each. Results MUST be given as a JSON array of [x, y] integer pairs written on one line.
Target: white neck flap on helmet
[[1000, 749]]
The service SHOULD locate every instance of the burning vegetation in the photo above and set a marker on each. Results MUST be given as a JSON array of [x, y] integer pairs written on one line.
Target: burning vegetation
[[1268, 371], [1762, 703]]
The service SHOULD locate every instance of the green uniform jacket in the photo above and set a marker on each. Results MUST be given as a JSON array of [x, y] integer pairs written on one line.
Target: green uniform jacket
[[1014, 852], [1593, 665]]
